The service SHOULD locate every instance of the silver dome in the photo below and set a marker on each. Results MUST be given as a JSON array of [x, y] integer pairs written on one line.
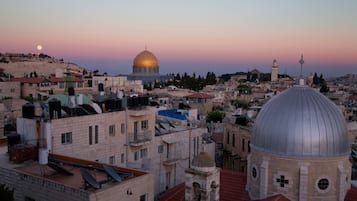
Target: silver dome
[[301, 122]]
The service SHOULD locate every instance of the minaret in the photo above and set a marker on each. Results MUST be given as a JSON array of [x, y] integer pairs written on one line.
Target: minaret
[[301, 79], [274, 71]]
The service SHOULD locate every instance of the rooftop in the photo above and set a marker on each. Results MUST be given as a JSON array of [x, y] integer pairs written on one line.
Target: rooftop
[[68, 171], [233, 188]]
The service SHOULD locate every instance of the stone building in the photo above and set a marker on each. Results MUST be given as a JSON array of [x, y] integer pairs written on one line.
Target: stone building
[[299, 148]]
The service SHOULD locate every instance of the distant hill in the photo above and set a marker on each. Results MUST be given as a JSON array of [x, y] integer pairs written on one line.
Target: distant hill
[[18, 64]]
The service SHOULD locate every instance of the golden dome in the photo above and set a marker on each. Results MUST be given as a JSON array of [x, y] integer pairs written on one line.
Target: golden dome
[[146, 59]]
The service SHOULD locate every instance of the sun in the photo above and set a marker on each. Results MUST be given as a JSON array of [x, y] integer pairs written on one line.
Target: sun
[[39, 47]]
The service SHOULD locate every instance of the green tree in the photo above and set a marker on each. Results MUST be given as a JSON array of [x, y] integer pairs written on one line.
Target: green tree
[[315, 79], [324, 89], [215, 116]]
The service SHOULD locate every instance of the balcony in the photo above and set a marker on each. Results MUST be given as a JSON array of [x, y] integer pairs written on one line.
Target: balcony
[[139, 138], [172, 159]]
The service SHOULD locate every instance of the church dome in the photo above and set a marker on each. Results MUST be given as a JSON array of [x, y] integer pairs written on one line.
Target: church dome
[[145, 63], [301, 122], [203, 160]]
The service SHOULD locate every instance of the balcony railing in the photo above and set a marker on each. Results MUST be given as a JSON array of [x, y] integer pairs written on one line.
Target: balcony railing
[[139, 138]]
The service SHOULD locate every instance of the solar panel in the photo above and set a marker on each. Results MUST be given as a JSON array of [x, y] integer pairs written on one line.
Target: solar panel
[[59, 169], [109, 170], [89, 180]]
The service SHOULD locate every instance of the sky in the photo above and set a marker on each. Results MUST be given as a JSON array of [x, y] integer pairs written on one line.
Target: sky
[[224, 36]]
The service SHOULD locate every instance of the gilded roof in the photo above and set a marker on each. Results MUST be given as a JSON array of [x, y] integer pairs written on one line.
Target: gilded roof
[[146, 59]]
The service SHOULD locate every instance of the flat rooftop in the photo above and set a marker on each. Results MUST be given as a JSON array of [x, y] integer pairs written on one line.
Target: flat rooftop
[[67, 171]]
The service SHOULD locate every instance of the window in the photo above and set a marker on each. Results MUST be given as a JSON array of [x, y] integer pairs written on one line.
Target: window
[[233, 140], [323, 184], [143, 197], [112, 160], [143, 153], [248, 146], [122, 158], [96, 135], [61, 85], [243, 143], [136, 156], [227, 137], [160, 149], [144, 124], [122, 128], [66, 138], [112, 130], [168, 179], [90, 135], [79, 84], [12, 90], [254, 172]]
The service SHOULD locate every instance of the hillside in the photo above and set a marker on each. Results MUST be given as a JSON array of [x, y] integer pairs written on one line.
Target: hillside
[[19, 64]]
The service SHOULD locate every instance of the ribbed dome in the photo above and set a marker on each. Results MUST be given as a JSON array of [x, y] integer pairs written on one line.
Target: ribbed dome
[[146, 59], [301, 122], [203, 160]]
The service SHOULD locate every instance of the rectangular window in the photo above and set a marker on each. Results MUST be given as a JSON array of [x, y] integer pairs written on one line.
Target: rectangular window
[[136, 155], [122, 158], [227, 137], [160, 149], [144, 124], [143, 153], [122, 128], [96, 134], [66, 138], [168, 179], [12, 90], [112, 160], [233, 140], [143, 197], [197, 142], [90, 135], [112, 130], [243, 143], [61, 85], [248, 146]]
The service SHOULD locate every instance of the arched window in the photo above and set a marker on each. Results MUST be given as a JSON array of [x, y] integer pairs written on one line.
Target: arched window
[[196, 191]]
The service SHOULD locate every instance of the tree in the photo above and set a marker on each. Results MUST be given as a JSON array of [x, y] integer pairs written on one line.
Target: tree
[[315, 79], [324, 89], [215, 116]]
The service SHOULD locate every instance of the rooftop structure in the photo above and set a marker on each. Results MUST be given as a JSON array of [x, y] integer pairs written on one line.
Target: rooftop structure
[[67, 178]]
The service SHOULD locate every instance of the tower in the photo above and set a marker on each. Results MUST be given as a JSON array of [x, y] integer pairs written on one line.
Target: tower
[[202, 179], [274, 71]]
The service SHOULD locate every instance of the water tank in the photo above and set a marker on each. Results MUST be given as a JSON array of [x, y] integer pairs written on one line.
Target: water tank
[[55, 109], [42, 156], [110, 104], [120, 94], [79, 99], [70, 91], [28, 111], [13, 139], [118, 104], [135, 101]]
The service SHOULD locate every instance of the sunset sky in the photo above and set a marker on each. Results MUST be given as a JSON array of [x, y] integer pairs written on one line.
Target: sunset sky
[[194, 36]]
